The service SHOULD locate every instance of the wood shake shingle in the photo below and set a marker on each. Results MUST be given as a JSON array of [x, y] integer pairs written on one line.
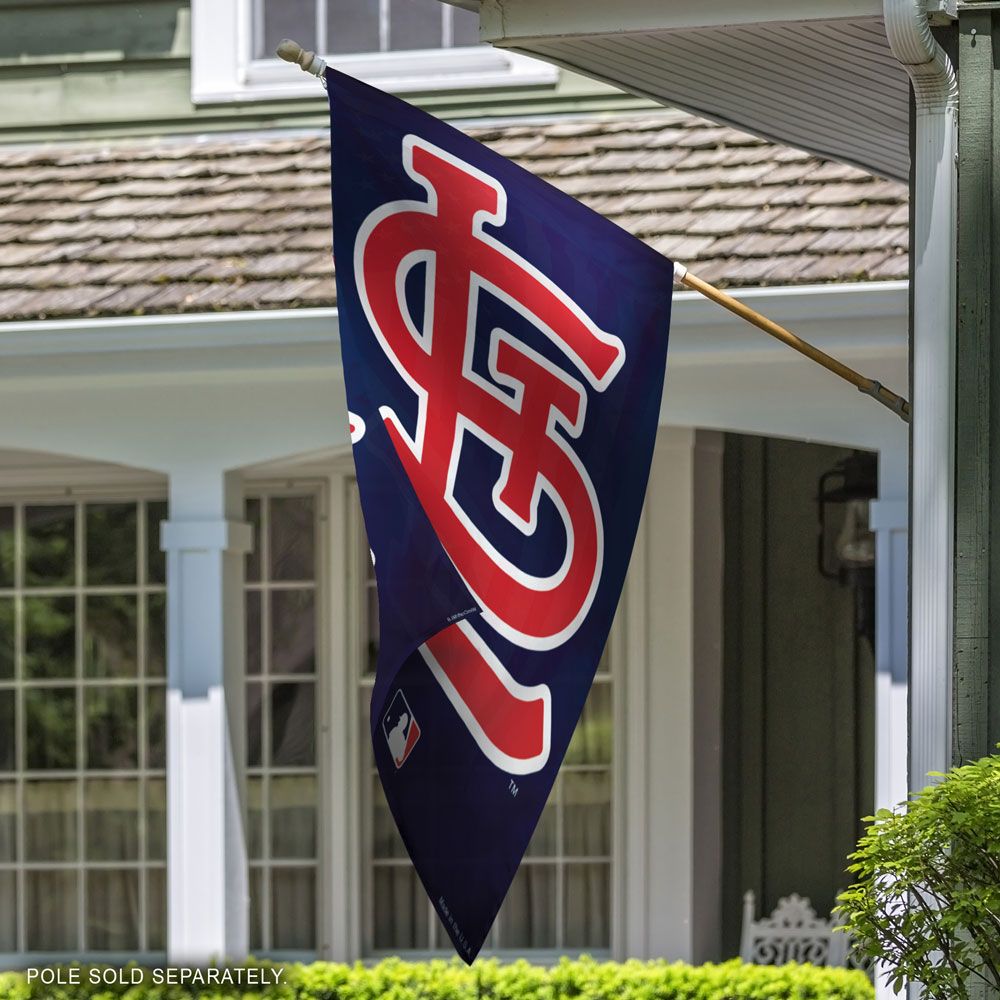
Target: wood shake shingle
[[225, 223]]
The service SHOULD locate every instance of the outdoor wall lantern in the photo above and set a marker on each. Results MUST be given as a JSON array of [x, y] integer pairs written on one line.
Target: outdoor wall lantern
[[845, 543]]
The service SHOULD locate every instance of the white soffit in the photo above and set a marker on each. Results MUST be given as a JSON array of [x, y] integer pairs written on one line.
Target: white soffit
[[828, 84]]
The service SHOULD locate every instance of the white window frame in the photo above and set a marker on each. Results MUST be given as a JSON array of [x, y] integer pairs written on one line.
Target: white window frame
[[317, 487], [223, 70], [76, 487]]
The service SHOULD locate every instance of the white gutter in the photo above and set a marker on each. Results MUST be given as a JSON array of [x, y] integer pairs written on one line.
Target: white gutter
[[298, 330], [932, 484]]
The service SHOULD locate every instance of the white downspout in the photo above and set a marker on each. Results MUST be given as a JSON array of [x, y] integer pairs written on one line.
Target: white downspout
[[932, 486], [932, 441]]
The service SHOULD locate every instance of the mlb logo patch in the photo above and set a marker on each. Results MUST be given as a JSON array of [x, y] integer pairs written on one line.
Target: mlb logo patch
[[400, 729]]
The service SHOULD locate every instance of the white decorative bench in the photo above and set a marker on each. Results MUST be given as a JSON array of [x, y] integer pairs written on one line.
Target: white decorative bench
[[793, 933]]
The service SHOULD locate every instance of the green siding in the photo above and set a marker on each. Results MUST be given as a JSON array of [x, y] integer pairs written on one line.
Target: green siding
[[93, 68], [976, 666]]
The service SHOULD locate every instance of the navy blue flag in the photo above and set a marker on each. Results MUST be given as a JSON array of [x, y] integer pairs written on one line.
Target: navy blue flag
[[504, 351]]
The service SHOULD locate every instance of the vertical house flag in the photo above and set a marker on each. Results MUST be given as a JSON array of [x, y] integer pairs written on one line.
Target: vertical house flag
[[503, 350]]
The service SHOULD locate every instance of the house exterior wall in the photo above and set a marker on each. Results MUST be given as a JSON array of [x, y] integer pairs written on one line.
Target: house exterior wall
[[202, 408], [198, 409], [88, 68]]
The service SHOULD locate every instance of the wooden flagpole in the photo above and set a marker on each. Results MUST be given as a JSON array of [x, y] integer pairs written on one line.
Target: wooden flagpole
[[311, 63], [869, 386]]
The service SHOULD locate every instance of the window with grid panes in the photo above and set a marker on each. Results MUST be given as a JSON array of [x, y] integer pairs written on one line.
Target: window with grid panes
[[82, 726], [281, 696], [348, 27], [560, 899]]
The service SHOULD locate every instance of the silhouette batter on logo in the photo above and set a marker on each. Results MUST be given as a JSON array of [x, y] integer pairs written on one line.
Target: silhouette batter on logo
[[400, 729]]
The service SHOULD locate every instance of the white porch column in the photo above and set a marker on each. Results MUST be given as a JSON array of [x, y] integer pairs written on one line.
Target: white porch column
[[671, 810], [207, 892], [889, 520]]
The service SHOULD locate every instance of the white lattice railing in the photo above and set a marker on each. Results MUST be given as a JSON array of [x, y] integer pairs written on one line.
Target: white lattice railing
[[793, 933]]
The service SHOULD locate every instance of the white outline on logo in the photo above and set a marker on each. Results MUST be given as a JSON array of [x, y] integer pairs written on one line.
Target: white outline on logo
[[522, 692], [423, 338], [465, 424], [355, 426]]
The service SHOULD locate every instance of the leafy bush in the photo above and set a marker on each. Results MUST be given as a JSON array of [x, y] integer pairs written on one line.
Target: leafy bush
[[927, 897], [488, 980]]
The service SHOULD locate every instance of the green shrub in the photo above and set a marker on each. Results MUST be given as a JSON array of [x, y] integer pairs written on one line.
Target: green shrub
[[489, 980], [926, 901]]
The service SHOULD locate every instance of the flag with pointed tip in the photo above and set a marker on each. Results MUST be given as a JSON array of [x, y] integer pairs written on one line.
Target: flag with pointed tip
[[503, 351]]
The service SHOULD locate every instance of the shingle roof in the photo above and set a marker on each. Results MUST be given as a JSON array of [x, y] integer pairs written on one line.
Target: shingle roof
[[243, 223]]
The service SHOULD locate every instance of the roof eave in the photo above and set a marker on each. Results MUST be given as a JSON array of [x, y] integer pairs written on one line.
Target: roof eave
[[816, 74]]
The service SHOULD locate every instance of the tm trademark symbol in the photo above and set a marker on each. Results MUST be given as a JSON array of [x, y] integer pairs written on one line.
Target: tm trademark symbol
[[512, 788]]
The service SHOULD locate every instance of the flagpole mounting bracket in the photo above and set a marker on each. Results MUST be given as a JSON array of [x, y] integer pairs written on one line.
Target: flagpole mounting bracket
[[292, 52]]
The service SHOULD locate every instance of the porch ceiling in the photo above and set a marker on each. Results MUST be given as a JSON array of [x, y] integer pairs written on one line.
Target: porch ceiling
[[817, 75]]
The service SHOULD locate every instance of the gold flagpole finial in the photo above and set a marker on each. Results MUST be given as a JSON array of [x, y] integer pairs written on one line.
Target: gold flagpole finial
[[292, 52]]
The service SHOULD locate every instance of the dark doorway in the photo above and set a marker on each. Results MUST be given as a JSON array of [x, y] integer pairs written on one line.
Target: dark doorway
[[798, 679]]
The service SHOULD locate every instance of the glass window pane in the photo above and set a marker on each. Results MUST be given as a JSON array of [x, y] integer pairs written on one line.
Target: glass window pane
[[293, 632], [156, 909], [293, 816], [255, 818], [8, 821], [8, 912], [50, 728], [252, 514], [111, 543], [591, 742], [286, 19], [156, 726], [111, 819], [111, 727], [49, 637], [156, 819], [386, 841], [6, 546], [50, 817], [112, 910], [588, 906], [401, 909], [415, 24], [257, 876], [7, 638], [528, 915], [587, 816], [351, 27], [544, 841], [156, 558], [8, 760], [51, 905], [293, 537], [293, 725], [156, 635], [464, 27], [253, 598], [293, 908], [109, 641], [254, 725], [49, 551]]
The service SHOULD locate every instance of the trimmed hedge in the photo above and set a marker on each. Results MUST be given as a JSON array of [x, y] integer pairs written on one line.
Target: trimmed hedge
[[486, 980]]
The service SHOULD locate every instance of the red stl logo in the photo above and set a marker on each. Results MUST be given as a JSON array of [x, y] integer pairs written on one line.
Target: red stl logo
[[510, 722]]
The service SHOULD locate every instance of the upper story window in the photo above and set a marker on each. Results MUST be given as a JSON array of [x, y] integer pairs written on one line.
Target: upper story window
[[399, 45], [352, 27]]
